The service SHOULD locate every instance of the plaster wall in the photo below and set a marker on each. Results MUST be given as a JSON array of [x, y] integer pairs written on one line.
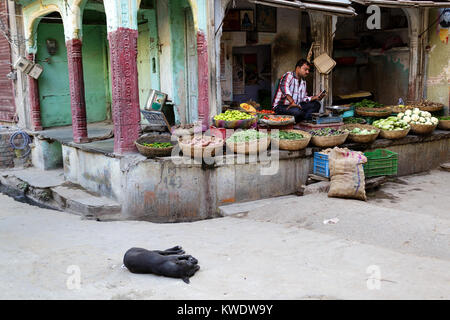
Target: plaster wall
[[94, 172], [438, 67], [46, 154]]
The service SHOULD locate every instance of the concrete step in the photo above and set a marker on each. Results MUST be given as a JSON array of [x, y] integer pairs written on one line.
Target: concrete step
[[48, 188], [75, 199]]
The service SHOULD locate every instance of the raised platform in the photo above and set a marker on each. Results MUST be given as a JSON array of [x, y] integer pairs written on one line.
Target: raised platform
[[177, 189]]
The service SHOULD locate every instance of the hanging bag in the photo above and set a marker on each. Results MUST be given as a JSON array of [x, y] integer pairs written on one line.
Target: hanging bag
[[324, 63]]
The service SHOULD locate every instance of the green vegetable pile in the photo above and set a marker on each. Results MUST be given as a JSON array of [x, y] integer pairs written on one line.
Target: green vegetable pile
[[246, 136], [366, 103], [363, 131], [391, 124], [353, 120], [327, 132], [232, 115], [444, 118], [285, 135], [158, 145]]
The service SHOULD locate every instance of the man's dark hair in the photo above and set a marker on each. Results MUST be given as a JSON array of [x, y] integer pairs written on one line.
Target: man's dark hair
[[301, 62]]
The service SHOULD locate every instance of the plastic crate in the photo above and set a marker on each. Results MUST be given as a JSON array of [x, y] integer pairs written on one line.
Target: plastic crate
[[381, 162], [321, 167]]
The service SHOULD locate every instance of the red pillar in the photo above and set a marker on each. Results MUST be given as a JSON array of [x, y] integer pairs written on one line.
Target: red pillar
[[33, 95], [76, 82], [125, 92], [203, 77]]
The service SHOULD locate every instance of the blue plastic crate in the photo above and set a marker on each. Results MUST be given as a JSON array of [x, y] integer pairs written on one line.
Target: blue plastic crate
[[321, 167]]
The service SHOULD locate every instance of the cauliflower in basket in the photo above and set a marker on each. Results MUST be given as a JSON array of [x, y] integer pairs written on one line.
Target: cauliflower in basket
[[416, 111], [400, 115], [415, 117], [408, 112], [407, 119], [434, 120]]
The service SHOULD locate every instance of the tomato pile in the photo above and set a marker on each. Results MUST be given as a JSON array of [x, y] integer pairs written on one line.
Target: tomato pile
[[267, 111]]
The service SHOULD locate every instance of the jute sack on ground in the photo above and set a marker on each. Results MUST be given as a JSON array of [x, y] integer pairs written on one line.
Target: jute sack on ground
[[347, 174]]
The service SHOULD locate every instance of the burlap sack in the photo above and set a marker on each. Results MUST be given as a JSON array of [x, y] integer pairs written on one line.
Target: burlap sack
[[347, 174]]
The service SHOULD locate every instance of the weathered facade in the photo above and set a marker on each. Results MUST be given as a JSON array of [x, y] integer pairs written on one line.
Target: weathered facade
[[101, 58], [108, 55], [7, 103]]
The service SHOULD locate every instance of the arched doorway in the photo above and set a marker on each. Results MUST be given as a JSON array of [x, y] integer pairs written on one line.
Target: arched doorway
[[54, 92]]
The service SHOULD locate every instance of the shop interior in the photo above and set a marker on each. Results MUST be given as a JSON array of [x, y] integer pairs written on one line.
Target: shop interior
[[372, 64], [258, 45]]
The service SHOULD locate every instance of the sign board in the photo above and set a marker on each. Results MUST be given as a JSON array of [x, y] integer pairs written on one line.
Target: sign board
[[155, 101], [156, 118]]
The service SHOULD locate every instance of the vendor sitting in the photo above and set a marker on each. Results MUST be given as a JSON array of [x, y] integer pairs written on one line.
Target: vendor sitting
[[291, 99]]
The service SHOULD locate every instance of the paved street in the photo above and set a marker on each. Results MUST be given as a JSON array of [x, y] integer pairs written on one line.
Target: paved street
[[395, 246]]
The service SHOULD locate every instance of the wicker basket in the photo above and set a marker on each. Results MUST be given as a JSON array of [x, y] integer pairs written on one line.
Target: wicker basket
[[194, 151], [278, 123], [154, 152], [329, 141], [293, 145], [422, 129], [397, 109], [235, 124], [394, 134], [444, 124], [362, 138], [251, 147], [433, 108], [373, 112]]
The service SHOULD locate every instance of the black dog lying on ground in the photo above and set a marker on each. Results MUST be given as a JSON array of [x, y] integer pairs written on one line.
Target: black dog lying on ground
[[170, 263]]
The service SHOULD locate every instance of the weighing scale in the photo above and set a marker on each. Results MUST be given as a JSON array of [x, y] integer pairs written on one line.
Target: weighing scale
[[330, 117]]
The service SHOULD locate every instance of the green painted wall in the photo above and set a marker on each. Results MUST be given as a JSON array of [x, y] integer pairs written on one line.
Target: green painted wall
[[148, 55], [184, 112], [438, 67], [54, 81]]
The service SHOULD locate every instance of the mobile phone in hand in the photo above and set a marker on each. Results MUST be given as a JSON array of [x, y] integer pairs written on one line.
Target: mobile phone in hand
[[324, 92]]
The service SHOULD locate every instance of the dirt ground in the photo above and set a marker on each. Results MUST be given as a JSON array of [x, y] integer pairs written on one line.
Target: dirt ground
[[394, 246]]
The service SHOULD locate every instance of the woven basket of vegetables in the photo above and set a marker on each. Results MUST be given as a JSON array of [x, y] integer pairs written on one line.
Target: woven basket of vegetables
[[154, 146], [392, 127], [444, 124], [394, 134], [362, 133], [328, 137], [426, 105], [291, 140], [234, 119], [277, 120], [200, 146], [248, 142], [373, 112], [422, 129]]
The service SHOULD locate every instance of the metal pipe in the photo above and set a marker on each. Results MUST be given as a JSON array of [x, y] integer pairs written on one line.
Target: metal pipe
[[401, 3], [325, 9]]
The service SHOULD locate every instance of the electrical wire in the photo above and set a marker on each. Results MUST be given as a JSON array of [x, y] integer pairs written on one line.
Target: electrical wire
[[26, 140]]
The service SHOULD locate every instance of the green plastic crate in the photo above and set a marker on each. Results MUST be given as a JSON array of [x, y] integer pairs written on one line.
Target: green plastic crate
[[381, 162]]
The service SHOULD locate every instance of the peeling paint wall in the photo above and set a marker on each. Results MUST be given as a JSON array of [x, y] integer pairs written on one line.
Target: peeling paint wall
[[438, 75]]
